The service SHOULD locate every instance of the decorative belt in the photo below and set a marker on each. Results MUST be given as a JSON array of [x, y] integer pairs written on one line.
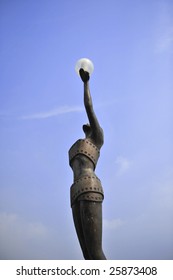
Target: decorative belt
[[84, 147], [86, 188]]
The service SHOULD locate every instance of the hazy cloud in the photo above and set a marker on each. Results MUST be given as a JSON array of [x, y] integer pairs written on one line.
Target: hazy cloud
[[165, 41], [112, 224], [19, 238], [123, 164], [53, 113], [22, 239]]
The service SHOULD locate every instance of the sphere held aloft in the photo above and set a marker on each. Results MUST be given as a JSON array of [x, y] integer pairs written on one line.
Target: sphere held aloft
[[86, 64]]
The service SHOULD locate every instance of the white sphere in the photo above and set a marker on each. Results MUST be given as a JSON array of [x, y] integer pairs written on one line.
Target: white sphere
[[86, 64]]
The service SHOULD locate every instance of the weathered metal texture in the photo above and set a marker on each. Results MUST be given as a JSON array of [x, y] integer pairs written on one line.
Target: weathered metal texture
[[87, 188]]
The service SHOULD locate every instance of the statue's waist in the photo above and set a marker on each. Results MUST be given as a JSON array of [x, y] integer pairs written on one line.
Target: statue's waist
[[87, 188]]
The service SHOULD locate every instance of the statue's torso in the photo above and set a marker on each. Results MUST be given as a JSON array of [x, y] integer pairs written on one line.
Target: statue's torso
[[83, 156], [82, 166]]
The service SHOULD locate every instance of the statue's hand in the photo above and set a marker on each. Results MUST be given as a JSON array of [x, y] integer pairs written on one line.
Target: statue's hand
[[84, 75]]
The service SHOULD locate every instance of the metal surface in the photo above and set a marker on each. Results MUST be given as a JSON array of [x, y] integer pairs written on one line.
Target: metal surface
[[86, 192], [90, 186], [85, 147]]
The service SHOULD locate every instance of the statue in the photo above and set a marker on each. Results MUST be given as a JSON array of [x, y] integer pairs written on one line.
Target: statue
[[86, 191]]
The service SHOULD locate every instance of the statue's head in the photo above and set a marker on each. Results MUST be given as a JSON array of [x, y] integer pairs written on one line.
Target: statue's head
[[87, 130]]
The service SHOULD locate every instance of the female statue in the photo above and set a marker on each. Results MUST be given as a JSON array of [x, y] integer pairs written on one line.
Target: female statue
[[86, 191]]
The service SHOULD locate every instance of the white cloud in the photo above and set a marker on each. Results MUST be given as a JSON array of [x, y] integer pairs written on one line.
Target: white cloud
[[123, 164], [53, 113]]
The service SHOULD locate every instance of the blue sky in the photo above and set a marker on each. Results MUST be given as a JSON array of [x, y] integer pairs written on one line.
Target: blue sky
[[42, 113]]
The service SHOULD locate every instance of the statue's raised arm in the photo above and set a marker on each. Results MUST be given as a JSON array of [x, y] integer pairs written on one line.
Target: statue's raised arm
[[93, 130]]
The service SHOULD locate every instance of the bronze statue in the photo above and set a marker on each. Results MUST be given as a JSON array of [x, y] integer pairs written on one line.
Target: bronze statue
[[86, 191]]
